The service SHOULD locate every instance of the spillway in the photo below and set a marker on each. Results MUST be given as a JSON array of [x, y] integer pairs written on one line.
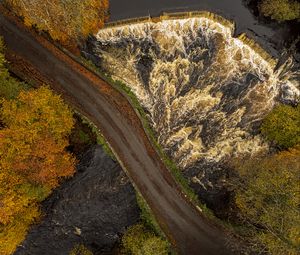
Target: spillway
[[205, 91]]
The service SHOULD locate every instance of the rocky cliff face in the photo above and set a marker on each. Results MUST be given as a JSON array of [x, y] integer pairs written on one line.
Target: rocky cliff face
[[93, 208]]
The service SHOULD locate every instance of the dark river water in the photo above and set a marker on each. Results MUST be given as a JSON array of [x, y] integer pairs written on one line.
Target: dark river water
[[232, 9]]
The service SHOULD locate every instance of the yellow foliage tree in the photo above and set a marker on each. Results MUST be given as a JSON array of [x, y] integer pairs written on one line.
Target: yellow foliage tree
[[32, 159], [280, 10], [65, 20], [32, 145], [268, 196], [13, 233]]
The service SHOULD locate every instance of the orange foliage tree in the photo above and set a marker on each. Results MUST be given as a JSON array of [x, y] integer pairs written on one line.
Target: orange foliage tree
[[65, 20], [32, 159], [32, 145]]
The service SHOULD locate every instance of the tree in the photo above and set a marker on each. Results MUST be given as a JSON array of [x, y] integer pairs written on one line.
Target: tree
[[13, 233], [282, 126], [268, 197], [139, 241], [65, 20], [280, 10], [33, 159], [33, 142], [9, 87]]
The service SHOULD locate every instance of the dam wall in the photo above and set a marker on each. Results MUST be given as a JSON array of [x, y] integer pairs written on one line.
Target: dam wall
[[244, 37]]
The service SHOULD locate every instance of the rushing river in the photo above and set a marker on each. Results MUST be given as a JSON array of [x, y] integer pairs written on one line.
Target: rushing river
[[204, 90]]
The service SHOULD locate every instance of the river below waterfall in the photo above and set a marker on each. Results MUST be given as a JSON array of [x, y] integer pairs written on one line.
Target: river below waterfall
[[94, 208]]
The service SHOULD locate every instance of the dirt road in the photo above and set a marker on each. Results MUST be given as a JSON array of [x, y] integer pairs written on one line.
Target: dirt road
[[38, 60]]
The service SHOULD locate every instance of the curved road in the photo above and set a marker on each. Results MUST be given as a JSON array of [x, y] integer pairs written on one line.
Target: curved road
[[38, 60]]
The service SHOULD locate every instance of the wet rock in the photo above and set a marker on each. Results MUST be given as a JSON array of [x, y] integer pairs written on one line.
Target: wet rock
[[144, 67], [92, 208], [209, 181], [289, 94]]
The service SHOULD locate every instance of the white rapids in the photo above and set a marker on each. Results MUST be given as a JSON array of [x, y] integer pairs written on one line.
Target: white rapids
[[205, 91]]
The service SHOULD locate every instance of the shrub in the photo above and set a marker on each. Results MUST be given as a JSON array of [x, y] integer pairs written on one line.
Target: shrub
[[282, 126], [80, 249], [139, 241], [280, 10]]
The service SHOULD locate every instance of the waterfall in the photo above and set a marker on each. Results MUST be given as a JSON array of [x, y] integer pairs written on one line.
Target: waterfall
[[204, 90]]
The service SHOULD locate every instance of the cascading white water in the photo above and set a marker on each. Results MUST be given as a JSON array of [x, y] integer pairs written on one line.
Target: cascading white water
[[205, 91]]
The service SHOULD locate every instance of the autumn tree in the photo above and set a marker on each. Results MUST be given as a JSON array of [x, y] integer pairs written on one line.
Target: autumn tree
[[280, 10], [33, 142], [33, 159], [13, 233], [65, 20], [268, 197], [18, 209]]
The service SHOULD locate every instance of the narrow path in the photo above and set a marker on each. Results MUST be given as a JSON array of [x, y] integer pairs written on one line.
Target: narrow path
[[35, 58]]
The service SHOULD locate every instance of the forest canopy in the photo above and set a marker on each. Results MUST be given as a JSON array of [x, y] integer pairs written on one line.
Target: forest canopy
[[268, 197], [65, 20], [34, 129]]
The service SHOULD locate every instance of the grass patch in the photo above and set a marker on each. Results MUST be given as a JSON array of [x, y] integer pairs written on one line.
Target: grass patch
[[148, 217], [150, 223], [99, 137]]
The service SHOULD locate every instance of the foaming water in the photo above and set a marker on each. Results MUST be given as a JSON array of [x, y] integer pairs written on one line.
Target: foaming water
[[204, 90]]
